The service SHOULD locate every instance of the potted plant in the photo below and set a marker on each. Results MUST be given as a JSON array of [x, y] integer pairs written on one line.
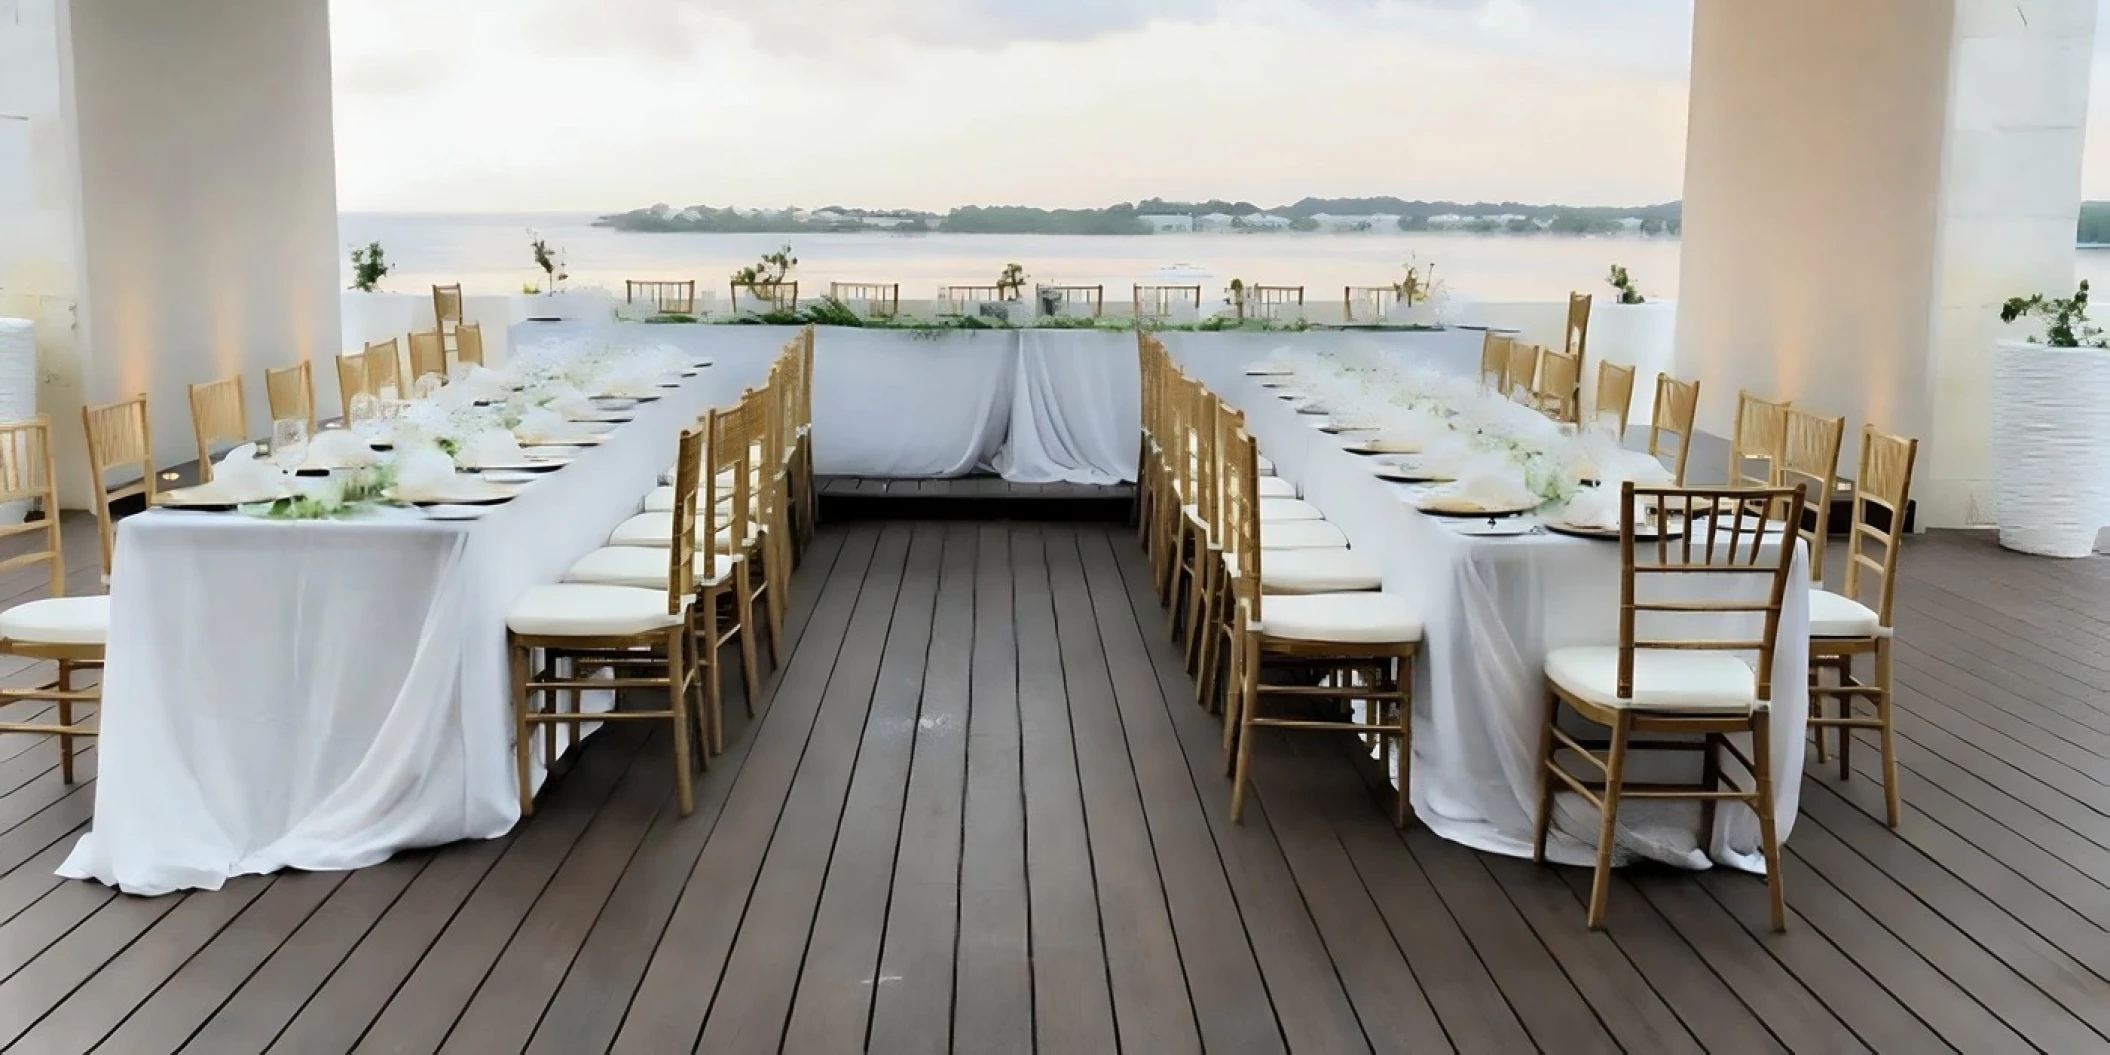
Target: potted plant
[[367, 313], [1623, 284], [1418, 292], [550, 301], [766, 283], [1010, 304], [2051, 428]]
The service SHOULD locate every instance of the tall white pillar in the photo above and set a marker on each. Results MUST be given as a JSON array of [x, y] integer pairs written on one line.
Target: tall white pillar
[[208, 198], [1865, 181]]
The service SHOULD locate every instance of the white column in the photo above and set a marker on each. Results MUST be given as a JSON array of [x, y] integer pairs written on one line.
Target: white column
[[1865, 181], [208, 198]]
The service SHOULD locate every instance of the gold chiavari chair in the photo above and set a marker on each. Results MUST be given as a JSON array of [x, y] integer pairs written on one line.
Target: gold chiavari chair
[[1654, 683], [1557, 386], [1178, 519], [971, 294], [1200, 527], [1494, 361], [1575, 339], [881, 299], [120, 440], [1268, 302], [1856, 621], [1523, 370], [1361, 646], [1376, 301], [1092, 295], [772, 549], [1160, 302], [446, 306], [351, 380], [666, 297], [428, 355], [218, 414], [68, 632], [809, 493], [1810, 457], [1759, 430], [469, 343], [1615, 394], [1676, 404], [627, 629], [771, 296], [290, 391], [384, 369]]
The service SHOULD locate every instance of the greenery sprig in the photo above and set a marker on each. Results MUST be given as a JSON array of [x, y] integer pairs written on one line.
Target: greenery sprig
[[2065, 319], [1628, 292], [368, 267]]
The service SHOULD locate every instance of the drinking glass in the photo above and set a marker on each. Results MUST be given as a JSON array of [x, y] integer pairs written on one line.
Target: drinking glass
[[427, 385], [364, 414], [289, 443]]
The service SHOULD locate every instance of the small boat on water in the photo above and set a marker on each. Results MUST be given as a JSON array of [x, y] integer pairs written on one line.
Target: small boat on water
[[1183, 272]]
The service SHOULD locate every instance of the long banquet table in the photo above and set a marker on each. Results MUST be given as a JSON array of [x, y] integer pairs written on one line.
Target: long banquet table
[[322, 694], [1492, 607]]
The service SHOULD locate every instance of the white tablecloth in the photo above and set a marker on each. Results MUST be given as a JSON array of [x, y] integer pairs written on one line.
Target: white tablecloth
[[1492, 609], [1076, 410], [321, 695]]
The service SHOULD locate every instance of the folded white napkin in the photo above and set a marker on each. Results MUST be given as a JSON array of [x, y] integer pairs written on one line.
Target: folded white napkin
[[424, 474], [241, 476], [339, 449], [1593, 507], [480, 383], [489, 447], [1413, 428], [542, 425], [1495, 488], [1446, 456], [568, 401]]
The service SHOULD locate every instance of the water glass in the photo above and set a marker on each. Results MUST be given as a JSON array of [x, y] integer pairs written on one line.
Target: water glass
[[427, 385], [289, 443], [364, 414]]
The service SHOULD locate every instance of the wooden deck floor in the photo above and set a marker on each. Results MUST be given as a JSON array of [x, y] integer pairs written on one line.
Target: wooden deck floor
[[981, 813]]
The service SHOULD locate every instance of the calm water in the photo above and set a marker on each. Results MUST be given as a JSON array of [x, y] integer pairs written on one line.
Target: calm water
[[489, 254]]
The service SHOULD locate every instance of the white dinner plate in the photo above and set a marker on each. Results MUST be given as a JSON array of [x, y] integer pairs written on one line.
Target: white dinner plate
[[466, 491], [455, 512], [528, 464], [510, 476], [1503, 527]]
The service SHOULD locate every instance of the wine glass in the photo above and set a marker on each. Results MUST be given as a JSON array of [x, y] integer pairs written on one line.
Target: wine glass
[[289, 443], [364, 413]]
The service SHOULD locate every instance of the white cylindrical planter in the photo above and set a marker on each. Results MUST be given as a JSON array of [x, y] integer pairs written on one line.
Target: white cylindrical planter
[[2051, 447], [18, 391], [1643, 336]]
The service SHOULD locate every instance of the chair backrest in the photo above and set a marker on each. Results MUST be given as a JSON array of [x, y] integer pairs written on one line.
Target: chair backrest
[[1093, 295], [1207, 495], [428, 355], [805, 418], [1557, 385], [1241, 516], [1676, 404], [446, 305], [681, 556], [290, 391], [1268, 301], [1725, 550], [218, 414], [1576, 339], [1615, 393], [27, 474], [384, 368], [1810, 458], [351, 380], [1882, 485], [1494, 361], [469, 343], [666, 297], [1158, 302], [774, 295], [880, 298], [1374, 302], [1523, 369], [120, 439], [725, 464], [971, 294], [1760, 428]]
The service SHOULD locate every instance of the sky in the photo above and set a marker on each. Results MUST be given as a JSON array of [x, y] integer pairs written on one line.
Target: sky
[[602, 105]]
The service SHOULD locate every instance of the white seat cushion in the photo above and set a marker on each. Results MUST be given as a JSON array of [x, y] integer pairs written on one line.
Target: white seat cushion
[[58, 621], [1293, 571], [657, 529], [1672, 680], [1300, 534], [1288, 509], [1277, 487], [584, 610], [641, 566], [1349, 618], [661, 500], [1835, 615]]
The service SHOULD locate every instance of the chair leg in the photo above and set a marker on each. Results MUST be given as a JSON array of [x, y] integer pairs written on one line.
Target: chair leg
[[1241, 695], [678, 702], [1542, 824], [1817, 705], [1241, 774], [1403, 684], [1197, 588], [66, 718], [1846, 710], [1762, 804], [714, 687], [1212, 633], [745, 627], [778, 580], [1711, 779], [523, 741], [1608, 820], [1885, 687]]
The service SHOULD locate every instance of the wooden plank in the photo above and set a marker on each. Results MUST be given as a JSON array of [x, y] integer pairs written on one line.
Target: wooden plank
[[1072, 1003], [832, 1002], [912, 1004], [673, 997], [588, 1008], [993, 978], [1231, 1006]]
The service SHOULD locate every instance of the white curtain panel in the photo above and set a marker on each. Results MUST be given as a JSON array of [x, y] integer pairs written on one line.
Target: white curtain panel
[[1076, 411]]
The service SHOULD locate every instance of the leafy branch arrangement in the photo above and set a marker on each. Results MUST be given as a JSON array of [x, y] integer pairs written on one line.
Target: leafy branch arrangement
[[2065, 319], [1011, 284], [1417, 285], [355, 491], [551, 263], [770, 272], [1628, 292], [368, 267]]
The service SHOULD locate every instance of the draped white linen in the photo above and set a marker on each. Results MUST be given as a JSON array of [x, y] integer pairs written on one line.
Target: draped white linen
[[1076, 410], [892, 403], [321, 695], [1492, 609]]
